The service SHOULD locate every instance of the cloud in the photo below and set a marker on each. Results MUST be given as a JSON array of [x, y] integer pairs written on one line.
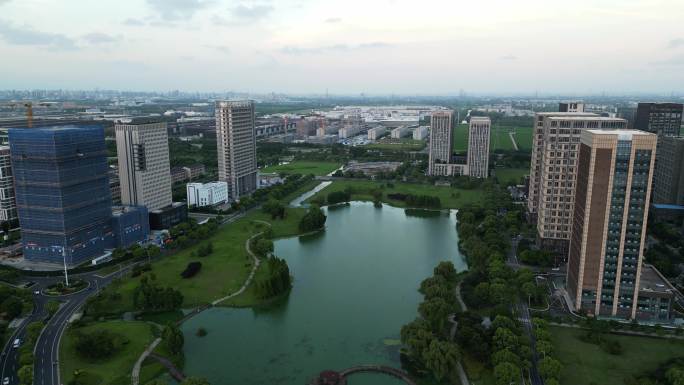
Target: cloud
[[333, 20], [101, 38], [133, 22], [251, 13], [220, 48], [26, 35], [676, 43], [178, 9], [293, 50], [509, 57], [4, 1], [675, 61]]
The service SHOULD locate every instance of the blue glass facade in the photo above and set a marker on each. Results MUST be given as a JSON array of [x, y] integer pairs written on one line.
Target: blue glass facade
[[62, 192], [130, 225]]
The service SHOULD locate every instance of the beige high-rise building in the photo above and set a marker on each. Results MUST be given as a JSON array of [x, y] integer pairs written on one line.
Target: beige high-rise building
[[478, 146], [8, 207], [144, 169], [441, 140], [553, 171], [236, 144], [605, 274]]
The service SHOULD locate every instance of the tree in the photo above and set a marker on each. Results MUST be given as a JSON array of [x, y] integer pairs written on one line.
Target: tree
[[441, 358], [505, 338], [675, 376], [435, 311], [505, 355], [417, 336], [544, 347], [12, 307], [153, 251], [314, 219], [173, 339], [25, 375], [195, 381], [550, 368], [262, 247], [506, 373], [98, 344], [447, 270]]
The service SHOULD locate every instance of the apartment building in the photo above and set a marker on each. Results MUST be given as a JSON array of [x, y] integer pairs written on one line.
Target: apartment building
[[478, 146], [441, 141], [605, 266]]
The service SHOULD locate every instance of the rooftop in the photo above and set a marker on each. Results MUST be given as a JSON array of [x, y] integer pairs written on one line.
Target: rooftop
[[653, 281], [622, 134]]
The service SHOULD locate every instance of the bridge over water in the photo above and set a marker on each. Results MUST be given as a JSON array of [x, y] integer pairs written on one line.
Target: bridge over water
[[330, 377]]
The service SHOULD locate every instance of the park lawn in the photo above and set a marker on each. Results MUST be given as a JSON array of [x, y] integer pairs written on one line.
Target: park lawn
[[585, 363], [504, 175], [302, 167], [450, 197], [113, 370], [223, 272], [404, 144], [308, 186], [499, 138], [477, 372]]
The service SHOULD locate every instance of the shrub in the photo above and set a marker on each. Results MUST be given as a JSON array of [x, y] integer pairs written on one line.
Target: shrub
[[191, 270]]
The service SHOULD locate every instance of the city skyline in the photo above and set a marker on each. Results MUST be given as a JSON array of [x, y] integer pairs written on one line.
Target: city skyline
[[307, 47]]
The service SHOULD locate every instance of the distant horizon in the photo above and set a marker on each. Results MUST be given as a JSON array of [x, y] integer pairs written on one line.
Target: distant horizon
[[382, 46]]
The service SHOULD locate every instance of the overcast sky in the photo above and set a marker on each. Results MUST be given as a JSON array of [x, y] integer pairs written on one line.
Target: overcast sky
[[347, 47]]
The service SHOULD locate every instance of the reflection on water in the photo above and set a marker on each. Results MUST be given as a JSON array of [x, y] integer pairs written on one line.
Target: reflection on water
[[355, 285]]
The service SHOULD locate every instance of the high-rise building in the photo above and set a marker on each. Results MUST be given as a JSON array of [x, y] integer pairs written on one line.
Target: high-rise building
[[669, 175], [8, 208], [609, 224], [144, 168], [236, 142], [478, 146], [62, 192], [556, 170], [542, 127], [663, 119], [441, 140], [571, 107]]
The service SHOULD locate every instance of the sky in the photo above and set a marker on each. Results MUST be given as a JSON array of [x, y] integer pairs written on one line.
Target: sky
[[426, 47]]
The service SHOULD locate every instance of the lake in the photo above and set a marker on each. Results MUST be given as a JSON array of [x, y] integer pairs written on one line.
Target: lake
[[355, 285]]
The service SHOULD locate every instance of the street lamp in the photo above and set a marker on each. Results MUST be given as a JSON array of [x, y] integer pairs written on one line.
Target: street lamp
[[66, 271]]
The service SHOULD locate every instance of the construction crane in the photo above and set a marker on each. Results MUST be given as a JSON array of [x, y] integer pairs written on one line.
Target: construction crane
[[29, 109]]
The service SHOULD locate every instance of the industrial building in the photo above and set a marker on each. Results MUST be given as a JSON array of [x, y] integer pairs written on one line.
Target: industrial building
[[236, 142], [206, 194], [62, 192]]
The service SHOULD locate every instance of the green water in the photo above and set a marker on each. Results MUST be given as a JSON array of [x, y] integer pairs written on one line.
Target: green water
[[354, 287]]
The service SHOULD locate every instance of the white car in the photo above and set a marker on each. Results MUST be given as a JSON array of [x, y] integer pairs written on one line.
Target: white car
[[37, 292], [5, 381], [16, 343]]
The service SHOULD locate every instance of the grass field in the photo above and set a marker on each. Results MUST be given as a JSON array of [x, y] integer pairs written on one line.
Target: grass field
[[223, 272], [499, 140], [504, 175], [404, 144], [587, 364], [362, 190], [114, 370], [303, 167]]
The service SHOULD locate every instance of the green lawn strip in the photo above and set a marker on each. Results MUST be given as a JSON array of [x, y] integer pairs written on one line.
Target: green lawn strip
[[302, 167], [113, 370], [308, 186], [499, 138], [585, 363], [504, 175], [450, 197], [223, 272]]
